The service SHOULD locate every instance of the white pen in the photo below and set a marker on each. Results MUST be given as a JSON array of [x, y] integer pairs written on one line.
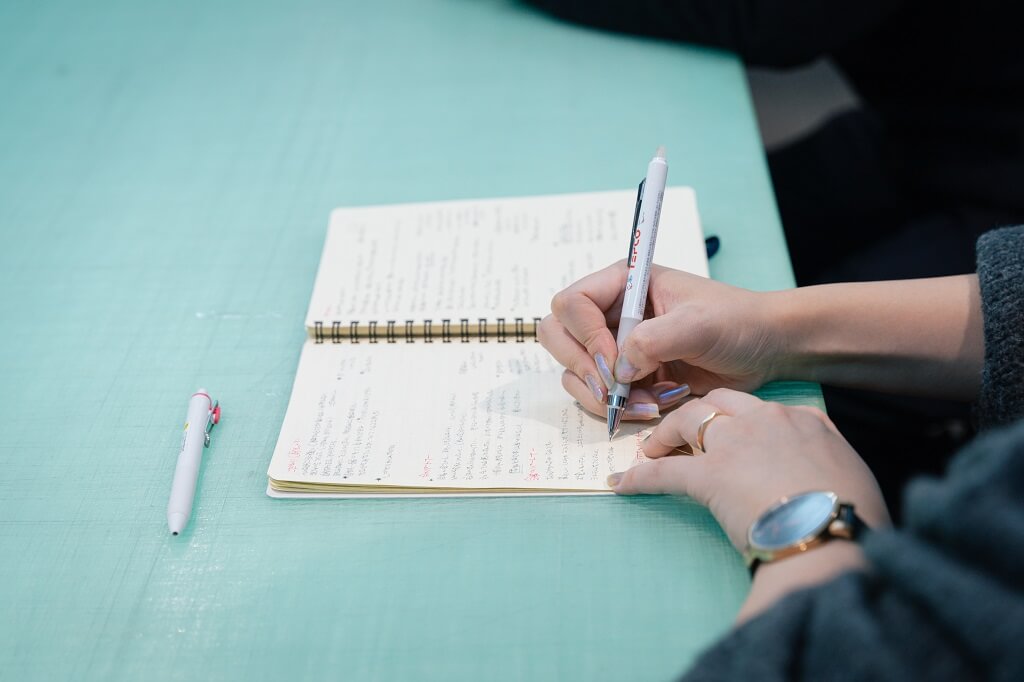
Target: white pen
[[649, 198], [203, 413]]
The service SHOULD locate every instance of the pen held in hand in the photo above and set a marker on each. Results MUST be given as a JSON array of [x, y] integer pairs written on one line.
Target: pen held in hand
[[643, 236]]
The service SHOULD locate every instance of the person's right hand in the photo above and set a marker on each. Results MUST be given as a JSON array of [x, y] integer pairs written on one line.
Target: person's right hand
[[697, 335]]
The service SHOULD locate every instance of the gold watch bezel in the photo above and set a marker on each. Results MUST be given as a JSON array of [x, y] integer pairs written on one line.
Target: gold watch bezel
[[820, 534]]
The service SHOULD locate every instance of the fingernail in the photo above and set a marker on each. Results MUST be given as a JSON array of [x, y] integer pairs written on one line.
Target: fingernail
[[603, 370], [595, 387], [674, 394], [614, 479], [624, 371], [641, 411]]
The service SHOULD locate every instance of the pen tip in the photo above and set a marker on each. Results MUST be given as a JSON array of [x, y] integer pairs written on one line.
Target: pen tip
[[614, 419], [660, 154]]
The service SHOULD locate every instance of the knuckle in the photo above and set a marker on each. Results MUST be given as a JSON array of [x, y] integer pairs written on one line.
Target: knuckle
[[641, 343], [773, 410], [691, 409], [592, 340], [654, 469], [561, 302], [817, 413], [699, 317], [651, 476], [671, 425], [719, 393], [578, 367], [814, 422], [628, 482]]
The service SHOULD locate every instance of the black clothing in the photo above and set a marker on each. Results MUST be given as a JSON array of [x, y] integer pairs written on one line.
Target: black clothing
[[848, 216], [945, 79], [846, 222]]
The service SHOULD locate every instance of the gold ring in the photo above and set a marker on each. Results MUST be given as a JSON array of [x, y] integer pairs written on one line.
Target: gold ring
[[704, 427]]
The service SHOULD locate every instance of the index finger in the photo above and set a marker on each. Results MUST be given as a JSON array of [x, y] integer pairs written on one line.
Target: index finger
[[585, 307], [681, 426]]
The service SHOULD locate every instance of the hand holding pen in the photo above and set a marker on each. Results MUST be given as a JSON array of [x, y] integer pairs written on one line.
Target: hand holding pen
[[699, 335]]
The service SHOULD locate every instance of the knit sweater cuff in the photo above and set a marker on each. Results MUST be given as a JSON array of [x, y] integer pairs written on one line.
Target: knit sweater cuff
[[1001, 277]]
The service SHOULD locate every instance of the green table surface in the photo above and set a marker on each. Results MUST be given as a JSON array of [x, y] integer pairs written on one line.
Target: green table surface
[[166, 174]]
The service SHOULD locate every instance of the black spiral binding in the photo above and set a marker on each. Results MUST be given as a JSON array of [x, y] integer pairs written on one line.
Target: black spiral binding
[[390, 334]]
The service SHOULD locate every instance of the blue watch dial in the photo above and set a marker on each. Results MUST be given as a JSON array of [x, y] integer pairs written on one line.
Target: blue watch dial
[[799, 518]]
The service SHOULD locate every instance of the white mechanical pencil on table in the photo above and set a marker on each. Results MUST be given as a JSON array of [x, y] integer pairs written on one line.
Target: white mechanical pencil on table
[[203, 414], [649, 198]]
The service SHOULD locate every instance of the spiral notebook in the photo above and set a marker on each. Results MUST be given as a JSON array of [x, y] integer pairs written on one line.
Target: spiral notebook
[[421, 374]]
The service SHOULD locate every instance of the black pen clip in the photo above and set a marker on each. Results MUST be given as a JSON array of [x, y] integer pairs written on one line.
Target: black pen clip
[[712, 244], [636, 219]]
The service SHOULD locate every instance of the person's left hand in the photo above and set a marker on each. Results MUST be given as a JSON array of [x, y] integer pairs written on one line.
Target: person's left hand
[[755, 453]]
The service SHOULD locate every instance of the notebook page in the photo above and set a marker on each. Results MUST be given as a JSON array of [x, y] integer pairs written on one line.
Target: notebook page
[[492, 258], [441, 416]]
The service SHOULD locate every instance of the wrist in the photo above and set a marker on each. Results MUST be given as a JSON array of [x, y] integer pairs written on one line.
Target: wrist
[[785, 318], [777, 579]]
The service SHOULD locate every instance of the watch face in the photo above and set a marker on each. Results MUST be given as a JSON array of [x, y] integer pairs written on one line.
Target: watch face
[[798, 519]]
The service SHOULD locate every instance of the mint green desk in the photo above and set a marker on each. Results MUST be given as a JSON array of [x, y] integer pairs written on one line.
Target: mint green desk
[[166, 173]]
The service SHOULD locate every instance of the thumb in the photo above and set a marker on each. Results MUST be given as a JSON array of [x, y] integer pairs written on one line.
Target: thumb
[[653, 342], [665, 476]]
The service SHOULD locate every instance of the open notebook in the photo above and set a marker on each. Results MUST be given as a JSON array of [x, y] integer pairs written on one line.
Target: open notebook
[[421, 374]]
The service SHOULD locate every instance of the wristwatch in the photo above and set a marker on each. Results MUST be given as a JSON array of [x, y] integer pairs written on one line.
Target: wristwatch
[[798, 523]]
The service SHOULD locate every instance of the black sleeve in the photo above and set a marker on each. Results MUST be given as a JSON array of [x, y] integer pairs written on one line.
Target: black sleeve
[[777, 33]]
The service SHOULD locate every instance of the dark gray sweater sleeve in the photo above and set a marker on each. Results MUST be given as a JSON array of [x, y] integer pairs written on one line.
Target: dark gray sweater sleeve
[[1001, 277], [944, 599], [763, 32]]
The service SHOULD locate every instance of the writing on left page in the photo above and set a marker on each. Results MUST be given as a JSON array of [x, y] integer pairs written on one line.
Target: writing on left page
[[441, 417]]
